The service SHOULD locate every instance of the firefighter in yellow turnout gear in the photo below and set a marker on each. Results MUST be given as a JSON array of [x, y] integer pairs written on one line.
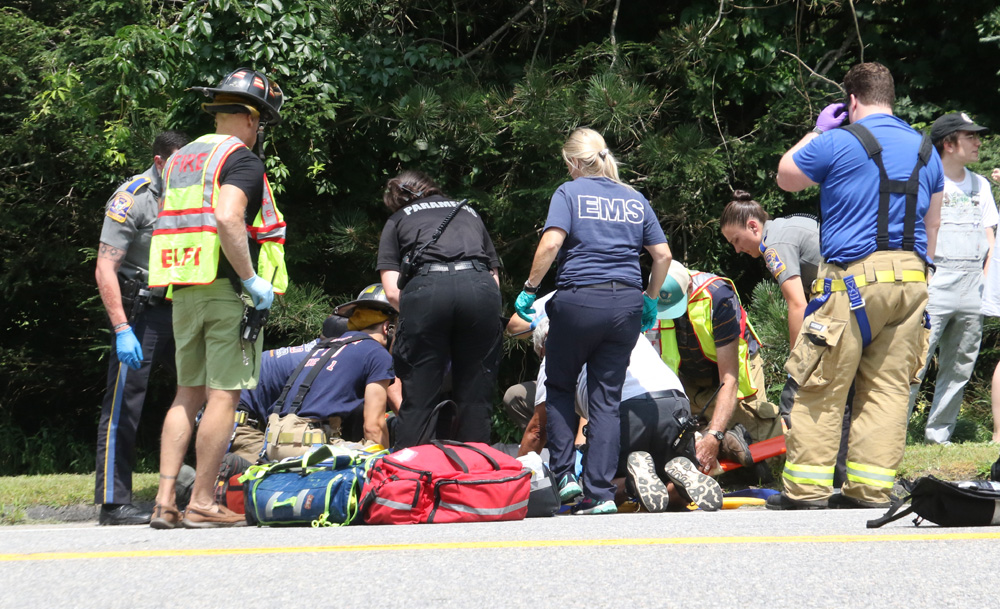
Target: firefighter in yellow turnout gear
[[880, 200]]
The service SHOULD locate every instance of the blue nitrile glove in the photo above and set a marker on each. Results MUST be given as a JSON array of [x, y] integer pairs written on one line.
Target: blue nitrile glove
[[261, 291], [128, 348], [648, 312], [831, 117], [523, 305]]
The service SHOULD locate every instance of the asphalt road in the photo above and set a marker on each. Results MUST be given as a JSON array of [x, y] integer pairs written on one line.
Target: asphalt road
[[742, 558]]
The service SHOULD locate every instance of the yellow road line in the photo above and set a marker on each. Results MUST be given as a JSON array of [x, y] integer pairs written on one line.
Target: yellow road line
[[479, 545]]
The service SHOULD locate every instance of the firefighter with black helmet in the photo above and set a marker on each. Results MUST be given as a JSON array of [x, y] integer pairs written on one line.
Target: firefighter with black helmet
[[219, 243], [339, 392]]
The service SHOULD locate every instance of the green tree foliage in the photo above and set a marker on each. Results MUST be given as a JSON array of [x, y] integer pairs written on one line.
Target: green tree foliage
[[696, 98]]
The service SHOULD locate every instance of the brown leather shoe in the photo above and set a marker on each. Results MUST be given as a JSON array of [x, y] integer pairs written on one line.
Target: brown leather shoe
[[165, 517], [207, 519]]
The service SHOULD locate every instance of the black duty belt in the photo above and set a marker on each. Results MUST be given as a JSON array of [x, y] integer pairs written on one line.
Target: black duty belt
[[659, 395], [451, 267]]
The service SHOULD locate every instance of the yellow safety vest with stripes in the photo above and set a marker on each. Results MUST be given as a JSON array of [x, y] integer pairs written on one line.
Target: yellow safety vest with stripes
[[699, 312], [185, 246]]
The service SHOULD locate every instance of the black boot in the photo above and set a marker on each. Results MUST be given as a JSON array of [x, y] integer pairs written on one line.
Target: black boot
[[783, 502], [125, 513]]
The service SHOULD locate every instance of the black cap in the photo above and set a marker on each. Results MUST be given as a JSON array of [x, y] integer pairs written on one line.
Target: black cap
[[950, 123]]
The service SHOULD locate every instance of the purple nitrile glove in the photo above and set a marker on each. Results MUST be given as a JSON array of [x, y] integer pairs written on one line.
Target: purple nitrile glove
[[831, 117]]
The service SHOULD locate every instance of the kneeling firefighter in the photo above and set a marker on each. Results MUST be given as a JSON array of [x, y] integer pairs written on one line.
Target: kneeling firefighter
[[343, 381]]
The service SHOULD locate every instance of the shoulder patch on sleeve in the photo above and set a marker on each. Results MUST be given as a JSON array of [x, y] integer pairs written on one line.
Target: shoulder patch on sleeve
[[119, 205], [774, 262], [134, 186]]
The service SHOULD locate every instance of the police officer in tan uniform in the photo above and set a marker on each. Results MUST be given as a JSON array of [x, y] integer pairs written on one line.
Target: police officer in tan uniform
[[880, 196]]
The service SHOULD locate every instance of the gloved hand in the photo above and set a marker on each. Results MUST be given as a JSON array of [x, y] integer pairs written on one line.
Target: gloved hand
[[831, 117], [128, 348], [261, 291], [648, 312], [523, 305]]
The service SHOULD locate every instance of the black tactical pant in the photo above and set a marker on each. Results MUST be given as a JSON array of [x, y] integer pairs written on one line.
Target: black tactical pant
[[448, 319]]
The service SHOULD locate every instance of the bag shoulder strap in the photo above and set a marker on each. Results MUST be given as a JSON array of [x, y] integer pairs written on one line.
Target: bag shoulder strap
[[332, 345], [451, 454], [493, 462], [418, 254]]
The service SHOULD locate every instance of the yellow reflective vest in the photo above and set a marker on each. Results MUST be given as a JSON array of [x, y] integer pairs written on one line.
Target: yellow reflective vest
[[699, 313], [185, 246]]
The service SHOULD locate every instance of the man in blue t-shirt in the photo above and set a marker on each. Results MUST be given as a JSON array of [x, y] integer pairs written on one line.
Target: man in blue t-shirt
[[339, 379], [881, 188]]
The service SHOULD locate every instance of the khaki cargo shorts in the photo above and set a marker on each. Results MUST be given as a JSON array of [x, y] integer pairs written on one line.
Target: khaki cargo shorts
[[207, 336]]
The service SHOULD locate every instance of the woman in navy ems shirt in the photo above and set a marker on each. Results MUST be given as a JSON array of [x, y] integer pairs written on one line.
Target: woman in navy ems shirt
[[597, 226]]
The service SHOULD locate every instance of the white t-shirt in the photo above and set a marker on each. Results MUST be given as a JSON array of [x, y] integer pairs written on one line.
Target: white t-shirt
[[646, 373], [957, 195]]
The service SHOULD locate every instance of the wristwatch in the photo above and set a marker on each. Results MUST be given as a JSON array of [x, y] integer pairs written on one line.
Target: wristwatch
[[719, 435], [530, 289]]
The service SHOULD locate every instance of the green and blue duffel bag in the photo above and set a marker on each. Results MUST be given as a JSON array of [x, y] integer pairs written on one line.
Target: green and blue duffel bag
[[320, 488]]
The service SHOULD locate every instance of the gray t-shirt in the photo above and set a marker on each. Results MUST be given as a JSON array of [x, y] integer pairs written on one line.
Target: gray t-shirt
[[791, 248], [128, 221]]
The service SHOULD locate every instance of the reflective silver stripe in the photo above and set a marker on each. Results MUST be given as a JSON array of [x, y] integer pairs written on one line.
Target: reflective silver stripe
[[544, 482], [217, 156], [172, 222], [396, 505], [269, 508], [468, 509], [278, 233], [996, 513], [268, 212], [299, 500]]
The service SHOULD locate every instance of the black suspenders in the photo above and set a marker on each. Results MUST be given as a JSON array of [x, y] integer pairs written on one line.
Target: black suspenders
[[332, 346], [886, 187]]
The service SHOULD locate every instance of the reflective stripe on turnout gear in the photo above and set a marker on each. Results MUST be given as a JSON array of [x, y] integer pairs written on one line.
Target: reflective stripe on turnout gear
[[820, 475], [871, 475]]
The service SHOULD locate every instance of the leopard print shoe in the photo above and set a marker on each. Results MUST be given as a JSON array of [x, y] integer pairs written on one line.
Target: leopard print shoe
[[702, 490], [641, 475]]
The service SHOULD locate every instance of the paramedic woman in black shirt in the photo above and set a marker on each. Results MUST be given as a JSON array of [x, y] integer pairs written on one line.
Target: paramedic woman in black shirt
[[449, 311]]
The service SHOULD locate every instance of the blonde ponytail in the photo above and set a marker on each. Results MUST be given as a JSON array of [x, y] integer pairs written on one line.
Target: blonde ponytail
[[586, 150]]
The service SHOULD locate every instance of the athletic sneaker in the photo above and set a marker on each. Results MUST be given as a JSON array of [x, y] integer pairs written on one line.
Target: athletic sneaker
[[702, 490], [641, 479], [569, 488], [591, 506]]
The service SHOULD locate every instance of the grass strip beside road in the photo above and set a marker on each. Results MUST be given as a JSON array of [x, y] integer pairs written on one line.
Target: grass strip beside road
[[966, 461], [18, 493]]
